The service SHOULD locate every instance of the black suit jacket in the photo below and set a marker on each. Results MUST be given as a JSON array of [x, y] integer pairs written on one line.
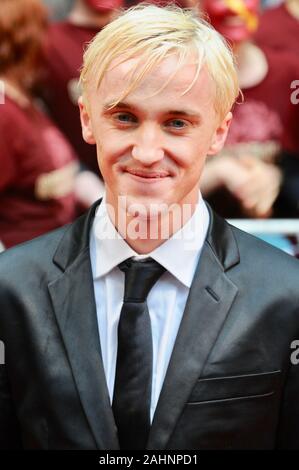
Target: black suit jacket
[[230, 383]]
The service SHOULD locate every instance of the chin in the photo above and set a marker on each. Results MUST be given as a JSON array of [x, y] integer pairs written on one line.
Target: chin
[[146, 207]]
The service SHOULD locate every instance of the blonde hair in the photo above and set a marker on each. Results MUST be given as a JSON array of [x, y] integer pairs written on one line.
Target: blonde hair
[[152, 33]]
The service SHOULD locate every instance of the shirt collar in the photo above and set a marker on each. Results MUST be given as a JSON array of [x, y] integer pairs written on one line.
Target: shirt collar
[[179, 254]]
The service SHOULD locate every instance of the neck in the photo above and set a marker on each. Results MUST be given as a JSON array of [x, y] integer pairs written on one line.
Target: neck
[[143, 233], [81, 15], [293, 8]]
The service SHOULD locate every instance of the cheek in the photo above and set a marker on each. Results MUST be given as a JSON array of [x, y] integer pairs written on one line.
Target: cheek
[[106, 146], [108, 154], [200, 145], [110, 141], [191, 167], [103, 156]]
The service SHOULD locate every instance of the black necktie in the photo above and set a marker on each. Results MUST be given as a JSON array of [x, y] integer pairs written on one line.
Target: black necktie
[[133, 376]]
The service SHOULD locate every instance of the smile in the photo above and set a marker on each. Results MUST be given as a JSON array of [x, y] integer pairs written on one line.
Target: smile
[[148, 175]]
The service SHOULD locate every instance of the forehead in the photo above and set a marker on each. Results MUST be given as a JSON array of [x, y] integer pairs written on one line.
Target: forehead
[[164, 82]]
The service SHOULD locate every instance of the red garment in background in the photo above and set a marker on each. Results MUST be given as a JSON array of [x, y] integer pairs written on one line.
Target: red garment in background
[[278, 29], [266, 116], [268, 112], [64, 55], [36, 177]]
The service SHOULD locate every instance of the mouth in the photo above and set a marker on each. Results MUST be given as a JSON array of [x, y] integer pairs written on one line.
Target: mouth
[[148, 175]]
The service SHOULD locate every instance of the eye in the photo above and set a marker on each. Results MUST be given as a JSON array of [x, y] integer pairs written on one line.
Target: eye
[[177, 124], [124, 118]]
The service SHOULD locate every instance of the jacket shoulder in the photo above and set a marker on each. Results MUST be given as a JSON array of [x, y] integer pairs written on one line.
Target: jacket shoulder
[[45, 257], [30, 257], [258, 253]]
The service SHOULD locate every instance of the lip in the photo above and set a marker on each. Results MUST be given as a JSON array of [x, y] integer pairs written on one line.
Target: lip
[[148, 176]]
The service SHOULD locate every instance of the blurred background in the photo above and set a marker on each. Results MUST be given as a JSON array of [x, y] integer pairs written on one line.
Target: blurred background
[[49, 175], [58, 9]]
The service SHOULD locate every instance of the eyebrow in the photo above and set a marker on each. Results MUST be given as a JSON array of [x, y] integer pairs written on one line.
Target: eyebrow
[[173, 112]]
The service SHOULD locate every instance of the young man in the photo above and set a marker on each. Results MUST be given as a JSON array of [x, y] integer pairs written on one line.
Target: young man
[[150, 323]]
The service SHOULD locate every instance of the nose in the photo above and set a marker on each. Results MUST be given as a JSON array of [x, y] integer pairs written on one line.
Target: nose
[[147, 147]]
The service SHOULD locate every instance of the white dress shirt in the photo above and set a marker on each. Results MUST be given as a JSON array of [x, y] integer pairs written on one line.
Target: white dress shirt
[[166, 300]]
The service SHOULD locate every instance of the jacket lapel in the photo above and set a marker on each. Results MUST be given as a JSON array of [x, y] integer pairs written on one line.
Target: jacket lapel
[[73, 300], [210, 298]]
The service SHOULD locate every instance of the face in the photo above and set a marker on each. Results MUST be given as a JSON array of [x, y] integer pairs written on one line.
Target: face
[[103, 6], [152, 147], [236, 20]]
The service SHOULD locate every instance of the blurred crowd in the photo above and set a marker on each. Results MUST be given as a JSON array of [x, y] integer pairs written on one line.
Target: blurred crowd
[[49, 175]]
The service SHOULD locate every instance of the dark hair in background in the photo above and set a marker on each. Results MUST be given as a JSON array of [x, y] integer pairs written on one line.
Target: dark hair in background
[[22, 27]]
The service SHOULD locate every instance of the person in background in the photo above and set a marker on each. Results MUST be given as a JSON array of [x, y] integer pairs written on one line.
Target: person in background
[[64, 53], [38, 166], [248, 176], [279, 27], [285, 38]]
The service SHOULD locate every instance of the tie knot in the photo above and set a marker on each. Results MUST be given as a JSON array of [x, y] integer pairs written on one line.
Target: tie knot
[[140, 277]]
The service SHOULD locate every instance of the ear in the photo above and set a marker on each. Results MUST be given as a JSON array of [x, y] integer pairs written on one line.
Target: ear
[[86, 122], [220, 135]]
